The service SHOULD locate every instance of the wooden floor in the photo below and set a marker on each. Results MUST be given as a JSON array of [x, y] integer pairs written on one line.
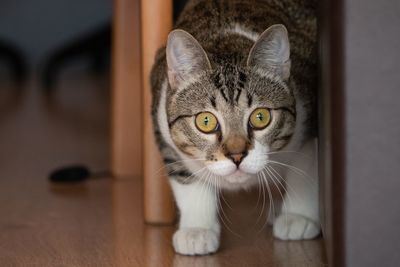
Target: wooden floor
[[100, 222]]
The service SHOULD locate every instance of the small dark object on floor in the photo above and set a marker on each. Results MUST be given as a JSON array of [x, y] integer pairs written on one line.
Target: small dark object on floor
[[69, 174]]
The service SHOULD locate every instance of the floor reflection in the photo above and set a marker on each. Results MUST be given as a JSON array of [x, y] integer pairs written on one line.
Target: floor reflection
[[137, 244], [157, 244], [199, 261], [310, 252]]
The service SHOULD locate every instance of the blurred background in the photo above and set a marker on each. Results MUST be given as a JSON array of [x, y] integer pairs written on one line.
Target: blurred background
[[41, 27], [54, 85], [55, 80]]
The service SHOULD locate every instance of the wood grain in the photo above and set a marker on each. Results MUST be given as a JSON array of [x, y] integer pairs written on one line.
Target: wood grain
[[126, 91], [156, 22]]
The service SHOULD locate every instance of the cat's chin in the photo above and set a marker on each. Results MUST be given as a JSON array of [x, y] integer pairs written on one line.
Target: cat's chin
[[237, 180]]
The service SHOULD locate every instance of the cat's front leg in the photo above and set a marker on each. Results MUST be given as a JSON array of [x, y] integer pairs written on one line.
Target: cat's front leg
[[199, 229], [299, 218]]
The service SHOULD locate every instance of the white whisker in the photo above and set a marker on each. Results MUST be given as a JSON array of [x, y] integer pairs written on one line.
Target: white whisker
[[283, 180], [271, 201], [274, 178], [286, 151], [165, 166], [280, 192], [296, 170], [261, 184], [193, 174], [221, 208]]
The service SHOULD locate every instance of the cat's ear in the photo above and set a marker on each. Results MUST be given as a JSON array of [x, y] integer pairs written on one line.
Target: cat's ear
[[272, 51], [186, 59]]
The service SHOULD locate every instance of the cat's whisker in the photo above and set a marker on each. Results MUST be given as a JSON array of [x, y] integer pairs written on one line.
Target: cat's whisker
[[220, 207], [292, 168], [259, 193], [193, 174], [275, 178], [201, 195], [165, 166], [224, 200], [285, 151], [283, 180], [280, 193], [220, 204], [210, 189], [271, 201], [289, 166], [286, 192], [261, 184], [296, 170], [216, 193], [203, 183]]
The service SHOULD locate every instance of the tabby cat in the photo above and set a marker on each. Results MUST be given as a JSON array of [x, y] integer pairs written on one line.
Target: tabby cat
[[233, 92]]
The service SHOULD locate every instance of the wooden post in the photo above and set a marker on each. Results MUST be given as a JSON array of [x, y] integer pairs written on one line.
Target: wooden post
[[126, 158], [156, 23]]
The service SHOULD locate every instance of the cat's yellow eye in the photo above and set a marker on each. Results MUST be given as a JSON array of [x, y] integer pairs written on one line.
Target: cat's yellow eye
[[206, 122], [260, 118]]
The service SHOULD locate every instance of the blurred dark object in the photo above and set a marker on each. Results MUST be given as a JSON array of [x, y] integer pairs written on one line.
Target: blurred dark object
[[179, 5], [95, 46], [70, 174], [14, 58], [76, 173]]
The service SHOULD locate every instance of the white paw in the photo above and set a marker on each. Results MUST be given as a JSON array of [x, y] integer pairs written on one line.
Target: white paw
[[290, 226], [195, 241]]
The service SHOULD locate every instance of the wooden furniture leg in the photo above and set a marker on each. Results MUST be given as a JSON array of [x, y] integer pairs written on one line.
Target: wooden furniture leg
[[126, 159], [155, 25]]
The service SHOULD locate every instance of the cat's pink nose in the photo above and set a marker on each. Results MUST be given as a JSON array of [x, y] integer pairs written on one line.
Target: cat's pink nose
[[235, 148], [236, 157]]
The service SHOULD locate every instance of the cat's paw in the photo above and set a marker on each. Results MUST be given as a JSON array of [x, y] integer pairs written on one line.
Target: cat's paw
[[195, 241], [290, 226]]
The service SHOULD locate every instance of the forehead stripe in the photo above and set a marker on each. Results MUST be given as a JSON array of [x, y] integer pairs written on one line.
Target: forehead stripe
[[212, 100], [223, 94], [242, 79], [239, 92], [249, 99]]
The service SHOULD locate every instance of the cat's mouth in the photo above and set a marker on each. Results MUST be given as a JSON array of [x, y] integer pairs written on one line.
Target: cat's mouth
[[237, 177], [233, 175]]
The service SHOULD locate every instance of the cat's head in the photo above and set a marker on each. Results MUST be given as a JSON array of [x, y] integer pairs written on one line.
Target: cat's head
[[230, 116]]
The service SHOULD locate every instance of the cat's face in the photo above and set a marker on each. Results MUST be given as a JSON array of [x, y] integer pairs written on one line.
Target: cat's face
[[229, 116]]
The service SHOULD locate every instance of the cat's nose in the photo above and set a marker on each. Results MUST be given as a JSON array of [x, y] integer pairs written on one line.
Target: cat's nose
[[236, 158], [235, 148]]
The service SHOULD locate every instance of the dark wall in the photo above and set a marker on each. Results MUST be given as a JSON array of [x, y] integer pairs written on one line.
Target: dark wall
[[372, 93], [361, 131], [39, 26]]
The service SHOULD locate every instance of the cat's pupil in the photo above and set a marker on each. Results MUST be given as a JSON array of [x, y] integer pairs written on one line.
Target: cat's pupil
[[206, 120], [260, 116]]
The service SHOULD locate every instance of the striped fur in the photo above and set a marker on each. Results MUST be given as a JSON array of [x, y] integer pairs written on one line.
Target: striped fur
[[227, 30]]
